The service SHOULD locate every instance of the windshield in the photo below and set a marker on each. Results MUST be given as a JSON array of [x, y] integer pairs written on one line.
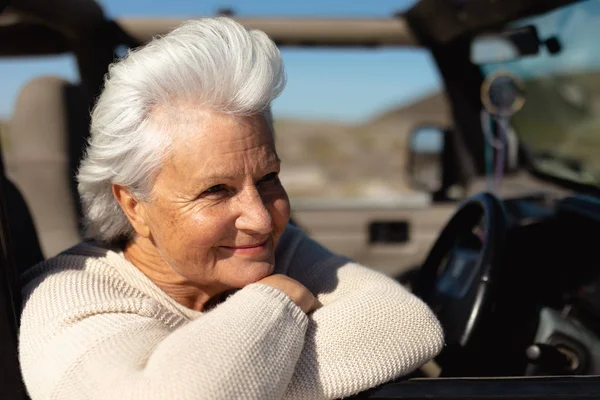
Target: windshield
[[560, 120]]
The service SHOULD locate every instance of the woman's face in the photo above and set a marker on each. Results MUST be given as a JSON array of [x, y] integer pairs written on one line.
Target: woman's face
[[218, 208]]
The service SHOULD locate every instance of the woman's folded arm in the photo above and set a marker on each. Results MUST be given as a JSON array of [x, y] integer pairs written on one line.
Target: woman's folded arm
[[247, 347], [369, 331]]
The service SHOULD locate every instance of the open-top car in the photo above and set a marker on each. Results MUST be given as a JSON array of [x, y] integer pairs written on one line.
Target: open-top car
[[513, 273]]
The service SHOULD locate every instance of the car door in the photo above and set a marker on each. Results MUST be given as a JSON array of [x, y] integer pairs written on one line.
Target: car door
[[392, 238]]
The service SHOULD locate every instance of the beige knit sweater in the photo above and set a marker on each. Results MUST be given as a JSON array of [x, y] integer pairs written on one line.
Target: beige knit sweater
[[95, 327]]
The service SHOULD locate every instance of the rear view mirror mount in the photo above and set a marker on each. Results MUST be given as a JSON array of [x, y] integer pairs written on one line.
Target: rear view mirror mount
[[505, 46]]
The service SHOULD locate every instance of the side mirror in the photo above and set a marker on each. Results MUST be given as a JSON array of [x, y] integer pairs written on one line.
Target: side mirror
[[424, 166]]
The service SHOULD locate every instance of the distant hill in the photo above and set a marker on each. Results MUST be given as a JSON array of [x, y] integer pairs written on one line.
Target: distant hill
[[561, 116], [329, 159], [432, 109]]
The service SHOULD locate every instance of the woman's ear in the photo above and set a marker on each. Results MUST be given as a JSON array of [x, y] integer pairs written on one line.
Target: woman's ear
[[133, 209]]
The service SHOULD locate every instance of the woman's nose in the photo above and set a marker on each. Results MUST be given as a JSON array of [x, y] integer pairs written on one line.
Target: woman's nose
[[253, 214]]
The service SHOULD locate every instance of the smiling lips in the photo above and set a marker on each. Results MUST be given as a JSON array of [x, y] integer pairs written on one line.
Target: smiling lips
[[249, 249]]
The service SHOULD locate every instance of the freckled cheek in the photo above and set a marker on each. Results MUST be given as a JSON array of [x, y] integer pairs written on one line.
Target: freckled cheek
[[208, 229]]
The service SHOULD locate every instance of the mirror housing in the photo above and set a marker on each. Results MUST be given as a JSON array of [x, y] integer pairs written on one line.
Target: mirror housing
[[424, 166]]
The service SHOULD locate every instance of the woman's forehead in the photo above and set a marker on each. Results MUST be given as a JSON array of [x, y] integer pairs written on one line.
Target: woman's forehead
[[219, 134], [184, 122], [191, 166], [210, 143]]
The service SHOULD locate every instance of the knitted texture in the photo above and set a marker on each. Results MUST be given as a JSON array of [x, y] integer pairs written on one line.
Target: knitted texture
[[95, 327]]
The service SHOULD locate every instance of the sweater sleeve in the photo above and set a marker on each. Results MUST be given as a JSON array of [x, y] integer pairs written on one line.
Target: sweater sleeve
[[132, 348], [369, 331]]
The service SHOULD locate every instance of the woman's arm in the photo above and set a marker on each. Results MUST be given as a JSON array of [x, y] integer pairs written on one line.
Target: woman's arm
[[246, 347], [369, 331]]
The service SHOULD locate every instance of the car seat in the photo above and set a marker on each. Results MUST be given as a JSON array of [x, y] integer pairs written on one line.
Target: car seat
[[20, 250], [41, 151], [42, 148]]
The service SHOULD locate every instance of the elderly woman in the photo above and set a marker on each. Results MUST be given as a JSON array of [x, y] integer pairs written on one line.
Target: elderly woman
[[194, 285]]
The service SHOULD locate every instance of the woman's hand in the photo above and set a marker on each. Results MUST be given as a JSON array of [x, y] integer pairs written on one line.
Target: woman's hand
[[295, 290]]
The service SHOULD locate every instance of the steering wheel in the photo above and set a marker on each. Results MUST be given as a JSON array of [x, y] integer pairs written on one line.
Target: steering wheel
[[458, 276]]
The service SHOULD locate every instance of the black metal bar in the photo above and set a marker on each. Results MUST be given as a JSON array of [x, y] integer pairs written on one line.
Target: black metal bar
[[446, 21], [517, 388]]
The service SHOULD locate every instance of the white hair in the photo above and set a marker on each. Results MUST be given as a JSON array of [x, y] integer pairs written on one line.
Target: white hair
[[214, 63]]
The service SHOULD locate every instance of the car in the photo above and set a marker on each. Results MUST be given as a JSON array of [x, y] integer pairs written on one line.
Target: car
[[512, 181]]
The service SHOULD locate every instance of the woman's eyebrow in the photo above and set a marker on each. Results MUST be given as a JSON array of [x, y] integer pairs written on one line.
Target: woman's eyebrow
[[213, 177], [216, 177]]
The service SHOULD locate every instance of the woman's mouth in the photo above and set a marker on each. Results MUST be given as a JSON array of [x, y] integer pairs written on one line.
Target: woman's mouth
[[250, 249]]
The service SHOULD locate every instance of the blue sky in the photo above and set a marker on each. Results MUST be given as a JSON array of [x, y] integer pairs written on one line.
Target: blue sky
[[346, 85]]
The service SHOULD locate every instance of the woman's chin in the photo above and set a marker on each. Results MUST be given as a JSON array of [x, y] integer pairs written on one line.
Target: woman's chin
[[251, 274]]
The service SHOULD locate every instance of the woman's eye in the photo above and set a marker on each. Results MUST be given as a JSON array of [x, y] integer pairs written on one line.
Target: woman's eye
[[214, 189], [272, 177]]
